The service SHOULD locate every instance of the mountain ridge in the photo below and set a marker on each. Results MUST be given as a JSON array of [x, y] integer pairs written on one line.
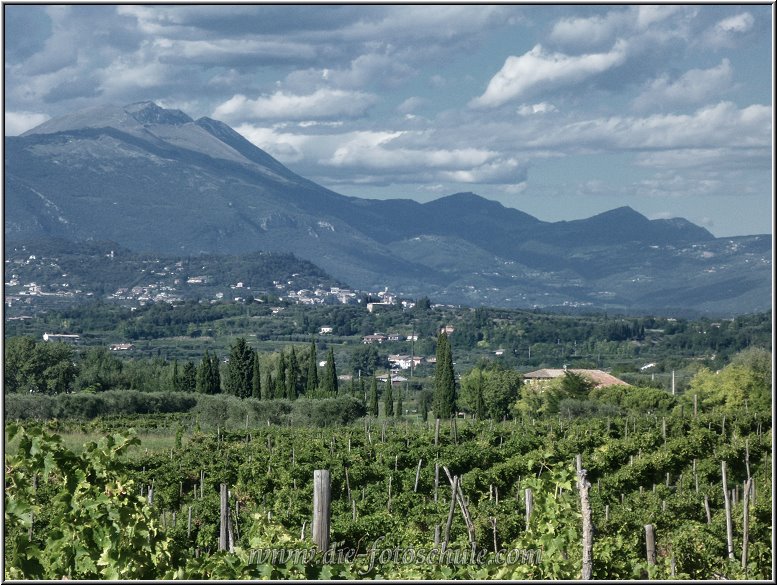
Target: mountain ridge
[[156, 180]]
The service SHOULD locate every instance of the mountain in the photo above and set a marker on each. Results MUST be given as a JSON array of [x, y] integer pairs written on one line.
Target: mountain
[[155, 180]]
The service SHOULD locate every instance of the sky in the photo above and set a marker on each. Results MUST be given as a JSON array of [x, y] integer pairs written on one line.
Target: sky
[[561, 111]]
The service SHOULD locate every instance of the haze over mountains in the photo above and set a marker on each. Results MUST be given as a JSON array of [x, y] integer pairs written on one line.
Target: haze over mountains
[[153, 179]]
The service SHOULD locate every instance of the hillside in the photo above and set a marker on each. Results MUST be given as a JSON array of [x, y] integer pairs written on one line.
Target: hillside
[[156, 181]]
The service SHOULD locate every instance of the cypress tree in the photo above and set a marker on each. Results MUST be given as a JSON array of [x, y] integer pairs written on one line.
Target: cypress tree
[[280, 377], [215, 373], [480, 405], [292, 376], [388, 398], [362, 392], [445, 382], [204, 375], [189, 377], [256, 382], [373, 400], [239, 380], [311, 384], [330, 375], [175, 380]]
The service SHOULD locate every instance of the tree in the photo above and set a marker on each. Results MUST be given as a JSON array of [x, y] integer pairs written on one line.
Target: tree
[[280, 377], [480, 405], [256, 382], [372, 408], [575, 386], [292, 376], [388, 398], [204, 376], [32, 366], [444, 380], [400, 407], [99, 370], [425, 398], [746, 378], [312, 378], [240, 368], [215, 373], [189, 377], [364, 360], [490, 389], [175, 378], [329, 383]]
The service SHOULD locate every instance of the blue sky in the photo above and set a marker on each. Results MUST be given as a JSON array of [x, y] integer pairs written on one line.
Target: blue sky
[[560, 111]]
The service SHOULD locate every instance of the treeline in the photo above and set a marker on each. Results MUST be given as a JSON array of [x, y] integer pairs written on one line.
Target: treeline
[[206, 411], [38, 367]]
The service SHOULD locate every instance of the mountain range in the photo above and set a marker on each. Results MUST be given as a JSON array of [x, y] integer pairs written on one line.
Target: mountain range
[[155, 180]]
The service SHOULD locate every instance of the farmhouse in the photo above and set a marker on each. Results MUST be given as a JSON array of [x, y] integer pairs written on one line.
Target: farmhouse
[[598, 377]]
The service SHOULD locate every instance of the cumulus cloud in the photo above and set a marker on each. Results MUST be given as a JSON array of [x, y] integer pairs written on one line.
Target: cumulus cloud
[[19, 122], [323, 103], [532, 109], [539, 70], [694, 86], [380, 69], [725, 32], [603, 30], [590, 31]]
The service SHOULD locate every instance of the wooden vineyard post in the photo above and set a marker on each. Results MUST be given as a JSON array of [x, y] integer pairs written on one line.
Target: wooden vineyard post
[[745, 523], [436, 431], [189, 524], [230, 532], [322, 499], [436, 480], [650, 544], [727, 503], [388, 501], [707, 508], [585, 505], [450, 513], [223, 518], [417, 475], [528, 499]]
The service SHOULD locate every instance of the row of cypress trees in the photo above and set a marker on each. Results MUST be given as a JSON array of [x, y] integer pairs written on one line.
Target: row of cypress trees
[[243, 378]]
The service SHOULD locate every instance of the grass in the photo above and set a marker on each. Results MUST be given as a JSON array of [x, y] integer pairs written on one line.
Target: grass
[[76, 441]]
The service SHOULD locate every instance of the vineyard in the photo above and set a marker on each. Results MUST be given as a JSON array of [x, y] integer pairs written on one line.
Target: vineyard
[[680, 495]]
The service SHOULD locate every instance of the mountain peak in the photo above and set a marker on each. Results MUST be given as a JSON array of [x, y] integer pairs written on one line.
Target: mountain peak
[[148, 112]]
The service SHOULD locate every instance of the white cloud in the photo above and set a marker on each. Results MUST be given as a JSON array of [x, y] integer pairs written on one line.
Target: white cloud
[[370, 68], [539, 70], [590, 31], [411, 104], [736, 24], [725, 31], [323, 103], [719, 157], [19, 122], [694, 86], [540, 108], [598, 31], [720, 124]]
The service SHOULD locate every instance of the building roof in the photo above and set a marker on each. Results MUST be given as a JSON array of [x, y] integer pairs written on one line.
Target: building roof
[[598, 377]]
